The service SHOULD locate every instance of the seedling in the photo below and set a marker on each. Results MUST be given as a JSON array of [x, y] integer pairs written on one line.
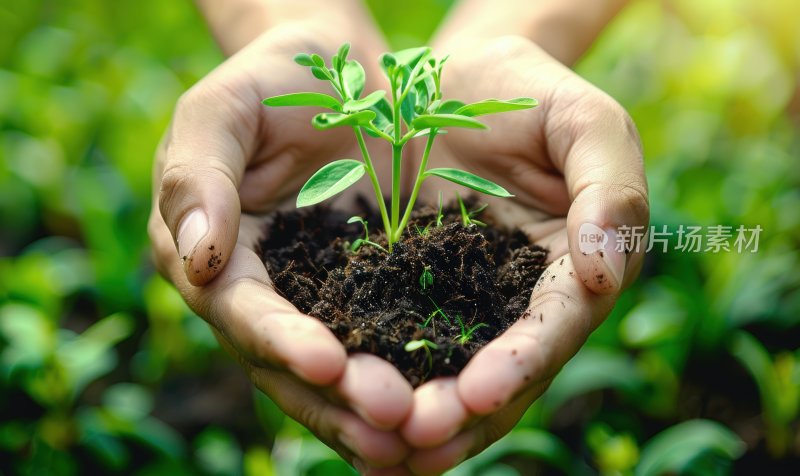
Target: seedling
[[466, 332], [468, 217], [414, 108], [414, 345], [363, 241], [426, 278]]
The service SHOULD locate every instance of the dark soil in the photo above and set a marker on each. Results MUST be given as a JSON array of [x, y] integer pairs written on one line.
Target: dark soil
[[374, 302]]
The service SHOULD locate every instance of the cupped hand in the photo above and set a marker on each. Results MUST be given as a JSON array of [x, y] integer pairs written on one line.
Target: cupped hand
[[574, 160], [225, 154]]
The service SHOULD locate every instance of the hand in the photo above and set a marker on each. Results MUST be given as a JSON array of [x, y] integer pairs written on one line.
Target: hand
[[225, 153], [576, 159]]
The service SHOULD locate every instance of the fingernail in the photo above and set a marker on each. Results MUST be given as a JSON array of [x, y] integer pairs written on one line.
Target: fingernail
[[359, 466], [613, 257], [191, 230], [347, 441]]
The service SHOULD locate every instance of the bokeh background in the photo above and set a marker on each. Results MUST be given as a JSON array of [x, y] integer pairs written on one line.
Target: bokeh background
[[103, 370]]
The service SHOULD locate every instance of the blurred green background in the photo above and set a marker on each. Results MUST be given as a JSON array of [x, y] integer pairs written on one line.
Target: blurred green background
[[103, 369]]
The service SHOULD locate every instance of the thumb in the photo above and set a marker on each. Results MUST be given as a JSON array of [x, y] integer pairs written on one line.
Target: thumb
[[610, 210], [203, 162]]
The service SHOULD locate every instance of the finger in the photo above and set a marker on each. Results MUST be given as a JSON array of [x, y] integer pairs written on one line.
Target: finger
[[340, 429], [475, 439], [599, 152], [550, 235], [201, 164], [242, 306], [376, 391], [560, 317], [437, 414]]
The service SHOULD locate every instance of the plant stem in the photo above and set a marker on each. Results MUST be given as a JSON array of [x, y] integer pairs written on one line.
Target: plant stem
[[397, 157], [417, 185], [376, 186]]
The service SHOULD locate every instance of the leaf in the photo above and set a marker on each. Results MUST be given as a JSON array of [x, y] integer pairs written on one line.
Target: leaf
[[383, 114], [411, 56], [354, 78], [317, 60], [303, 99], [494, 106], [343, 52], [413, 345], [472, 181], [321, 73], [427, 132], [303, 59], [330, 180], [680, 446], [356, 219], [446, 120], [328, 121], [388, 60], [367, 102], [450, 106], [407, 107]]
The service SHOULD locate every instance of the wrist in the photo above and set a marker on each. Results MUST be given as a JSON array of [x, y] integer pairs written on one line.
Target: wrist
[[235, 23], [563, 28]]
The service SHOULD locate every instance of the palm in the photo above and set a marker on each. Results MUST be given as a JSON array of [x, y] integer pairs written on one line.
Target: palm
[[282, 148]]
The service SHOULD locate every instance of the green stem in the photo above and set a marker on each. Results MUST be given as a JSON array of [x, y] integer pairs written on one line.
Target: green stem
[[397, 157], [417, 185], [376, 186]]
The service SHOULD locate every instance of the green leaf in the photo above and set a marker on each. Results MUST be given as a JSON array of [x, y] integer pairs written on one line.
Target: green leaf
[[354, 78], [383, 114], [343, 52], [321, 73], [450, 106], [303, 99], [388, 60], [328, 121], [407, 107], [303, 59], [356, 219], [446, 120], [494, 106], [330, 180], [367, 102], [411, 56], [472, 181], [317, 60], [427, 132], [679, 447]]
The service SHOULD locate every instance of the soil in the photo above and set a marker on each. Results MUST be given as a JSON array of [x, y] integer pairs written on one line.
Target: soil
[[376, 302]]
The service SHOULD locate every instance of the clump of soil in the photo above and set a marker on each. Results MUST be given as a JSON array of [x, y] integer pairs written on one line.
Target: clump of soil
[[375, 302]]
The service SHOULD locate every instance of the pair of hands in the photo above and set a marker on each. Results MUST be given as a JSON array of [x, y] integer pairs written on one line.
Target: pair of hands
[[226, 159]]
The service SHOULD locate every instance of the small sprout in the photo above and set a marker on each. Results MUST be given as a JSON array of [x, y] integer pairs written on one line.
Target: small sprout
[[414, 345], [467, 332], [439, 214], [363, 241], [426, 278], [413, 107], [467, 217]]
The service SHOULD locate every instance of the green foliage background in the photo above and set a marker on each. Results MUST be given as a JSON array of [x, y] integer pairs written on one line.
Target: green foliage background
[[104, 370]]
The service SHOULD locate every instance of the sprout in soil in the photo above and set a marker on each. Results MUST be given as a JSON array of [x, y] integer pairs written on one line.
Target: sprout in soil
[[466, 332], [414, 109], [413, 345]]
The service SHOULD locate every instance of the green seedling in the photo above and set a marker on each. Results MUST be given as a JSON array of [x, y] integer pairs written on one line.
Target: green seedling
[[467, 332], [468, 217], [439, 214], [414, 345], [436, 312], [426, 278], [363, 241], [413, 108]]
